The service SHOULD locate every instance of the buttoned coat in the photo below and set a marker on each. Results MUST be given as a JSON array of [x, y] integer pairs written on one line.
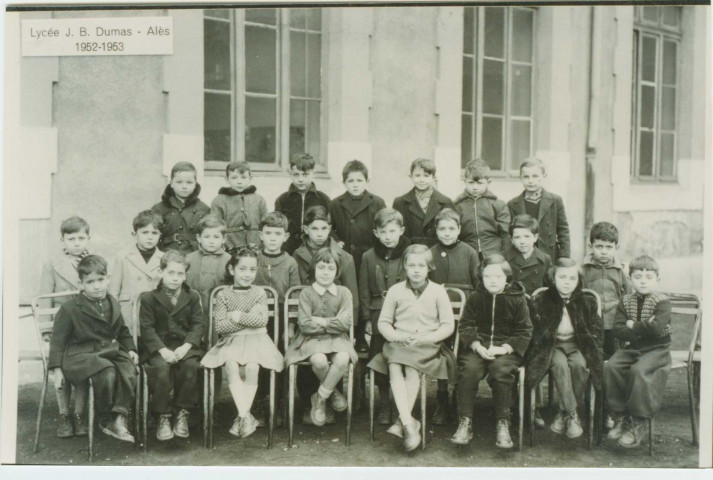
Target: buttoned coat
[[382, 269], [554, 229], [133, 275], [610, 282], [484, 222], [531, 272], [243, 212], [456, 267], [292, 205], [83, 343], [58, 275], [421, 227], [180, 221]]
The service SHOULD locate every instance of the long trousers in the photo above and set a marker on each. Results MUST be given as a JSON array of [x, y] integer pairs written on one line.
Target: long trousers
[[114, 392], [501, 372], [570, 374], [182, 377]]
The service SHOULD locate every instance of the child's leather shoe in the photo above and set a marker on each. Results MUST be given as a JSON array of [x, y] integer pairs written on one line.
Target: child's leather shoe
[[65, 429], [412, 435], [574, 425], [503, 439], [559, 424], [80, 427], [337, 401], [118, 429], [464, 434], [164, 431], [318, 414], [621, 424], [180, 429], [248, 425], [632, 437]]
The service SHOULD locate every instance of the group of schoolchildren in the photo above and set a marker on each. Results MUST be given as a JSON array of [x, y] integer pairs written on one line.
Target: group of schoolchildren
[[381, 272]]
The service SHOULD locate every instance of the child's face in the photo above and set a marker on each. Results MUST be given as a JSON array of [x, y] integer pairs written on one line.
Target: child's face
[[422, 180], [173, 275], [211, 239], [75, 243], [273, 238], [531, 178], [244, 272], [239, 181], [476, 187], [524, 240], [416, 266], [644, 281], [324, 273], [447, 232], [494, 279], [566, 279], [603, 251], [94, 285], [355, 183], [147, 237], [301, 179], [318, 232], [183, 184], [389, 234]]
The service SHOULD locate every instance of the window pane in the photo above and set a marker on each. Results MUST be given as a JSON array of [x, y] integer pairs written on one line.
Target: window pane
[[217, 13], [468, 30], [216, 45], [260, 56], [314, 65], [314, 19], [648, 59], [646, 154], [519, 142], [260, 132], [466, 140], [521, 89], [493, 80], [217, 127], [651, 14], [298, 72], [468, 84], [671, 16], [298, 18], [494, 32], [268, 16], [668, 108], [669, 63], [297, 126], [666, 155], [492, 148], [522, 24], [648, 102], [313, 138]]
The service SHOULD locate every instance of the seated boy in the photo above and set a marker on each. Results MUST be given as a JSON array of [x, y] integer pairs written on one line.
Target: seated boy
[[301, 196], [90, 340], [529, 264], [240, 207], [422, 203], [635, 376], [485, 219]]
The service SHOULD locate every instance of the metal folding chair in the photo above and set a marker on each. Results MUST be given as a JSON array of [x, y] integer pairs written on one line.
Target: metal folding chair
[[209, 373], [141, 407], [290, 313]]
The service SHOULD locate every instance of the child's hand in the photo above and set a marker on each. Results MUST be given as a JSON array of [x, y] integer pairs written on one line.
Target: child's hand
[[235, 316], [341, 245], [134, 357], [650, 321], [290, 332], [168, 355], [629, 324], [258, 308], [344, 315], [496, 351], [482, 351], [58, 377], [181, 351]]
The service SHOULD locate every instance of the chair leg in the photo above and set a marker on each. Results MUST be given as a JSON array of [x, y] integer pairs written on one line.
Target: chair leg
[[371, 405], [271, 418], [650, 421], [291, 405], [692, 403], [592, 415], [600, 415], [533, 407], [138, 396], [205, 408], [211, 405], [521, 409], [43, 396], [350, 395], [550, 391], [423, 411], [90, 420], [145, 411]]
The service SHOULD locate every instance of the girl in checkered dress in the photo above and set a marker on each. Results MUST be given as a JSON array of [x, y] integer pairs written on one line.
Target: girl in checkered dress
[[240, 318]]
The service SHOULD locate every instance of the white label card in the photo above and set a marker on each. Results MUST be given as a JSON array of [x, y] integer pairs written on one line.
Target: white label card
[[97, 36]]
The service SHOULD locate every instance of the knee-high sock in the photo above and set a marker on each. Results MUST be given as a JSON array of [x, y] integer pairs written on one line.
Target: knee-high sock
[[249, 390], [237, 390]]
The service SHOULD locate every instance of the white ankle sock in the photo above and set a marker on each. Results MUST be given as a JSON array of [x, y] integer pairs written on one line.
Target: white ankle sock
[[324, 392]]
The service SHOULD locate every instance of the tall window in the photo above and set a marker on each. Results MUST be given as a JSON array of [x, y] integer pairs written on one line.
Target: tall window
[[498, 59], [657, 36], [263, 86]]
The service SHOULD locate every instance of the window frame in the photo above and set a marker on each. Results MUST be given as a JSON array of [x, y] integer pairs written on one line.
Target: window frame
[[282, 96]]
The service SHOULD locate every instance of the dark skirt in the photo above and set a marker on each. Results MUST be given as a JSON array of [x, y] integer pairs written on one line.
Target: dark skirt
[[433, 359]]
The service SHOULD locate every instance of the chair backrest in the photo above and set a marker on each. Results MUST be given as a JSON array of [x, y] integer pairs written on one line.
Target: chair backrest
[[586, 291], [44, 316], [457, 298], [135, 321], [686, 322]]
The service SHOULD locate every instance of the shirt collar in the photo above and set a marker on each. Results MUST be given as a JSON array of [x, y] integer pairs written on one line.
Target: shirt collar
[[417, 291], [321, 290]]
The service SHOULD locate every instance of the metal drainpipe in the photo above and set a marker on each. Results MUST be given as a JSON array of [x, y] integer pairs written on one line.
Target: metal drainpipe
[[592, 122]]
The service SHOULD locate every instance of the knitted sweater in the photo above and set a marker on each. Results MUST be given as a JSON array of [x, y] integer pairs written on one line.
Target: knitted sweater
[[252, 303], [652, 321], [280, 273]]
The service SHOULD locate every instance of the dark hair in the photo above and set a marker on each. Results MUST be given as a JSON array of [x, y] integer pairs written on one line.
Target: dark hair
[[447, 214], [387, 215], [212, 221], [318, 212], [173, 256], [91, 264], [354, 166], [73, 225], [302, 162], [533, 162], [240, 167], [496, 259], [424, 164], [524, 221], [605, 232], [324, 255], [418, 249], [476, 170], [643, 262], [275, 220], [242, 252], [184, 167], [564, 262], [146, 218]]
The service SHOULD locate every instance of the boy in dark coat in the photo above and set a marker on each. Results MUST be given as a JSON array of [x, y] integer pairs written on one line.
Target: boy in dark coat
[[181, 209], [530, 265], [352, 215], [91, 341], [544, 206], [301, 196], [484, 218], [422, 203], [240, 207], [170, 345]]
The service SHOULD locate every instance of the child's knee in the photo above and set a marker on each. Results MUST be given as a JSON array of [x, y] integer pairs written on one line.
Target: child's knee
[[233, 371], [251, 372], [340, 359], [319, 361]]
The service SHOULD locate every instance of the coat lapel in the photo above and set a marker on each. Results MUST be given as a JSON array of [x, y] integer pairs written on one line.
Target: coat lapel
[[87, 309], [434, 206], [355, 208], [66, 270], [518, 204], [545, 203], [164, 300], [413, 205], [183, 299], [138, 261]]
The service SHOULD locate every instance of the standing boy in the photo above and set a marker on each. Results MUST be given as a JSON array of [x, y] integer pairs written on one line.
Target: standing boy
[[422, 203], [301, 195], [240, 207], [529, 264]]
